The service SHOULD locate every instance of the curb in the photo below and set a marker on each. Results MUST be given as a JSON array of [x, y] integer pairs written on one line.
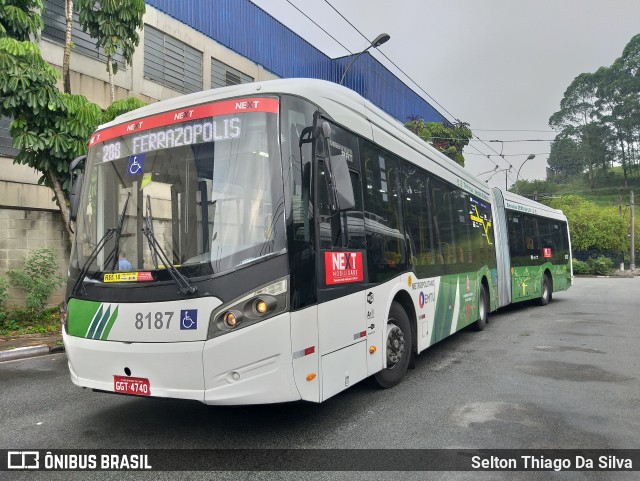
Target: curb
[[29, 351]]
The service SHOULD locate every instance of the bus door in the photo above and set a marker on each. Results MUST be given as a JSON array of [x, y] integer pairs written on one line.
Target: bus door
[[342, 265]]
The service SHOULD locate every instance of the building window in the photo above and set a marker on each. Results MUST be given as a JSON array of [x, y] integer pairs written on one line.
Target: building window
[[171, 62], [223, 75], [6, 146], [55, 27]]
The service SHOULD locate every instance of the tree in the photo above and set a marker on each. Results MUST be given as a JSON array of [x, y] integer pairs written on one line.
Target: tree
[[600, 112], [448, 140], [114, 25], [619, 100], [120, 107], [578, 110], [68, 45], [20, 19], [49, 128], [565, 158]]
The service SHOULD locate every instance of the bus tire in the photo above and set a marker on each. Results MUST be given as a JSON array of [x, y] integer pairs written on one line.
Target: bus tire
[[545, 297], [483, 309], [398, 349]]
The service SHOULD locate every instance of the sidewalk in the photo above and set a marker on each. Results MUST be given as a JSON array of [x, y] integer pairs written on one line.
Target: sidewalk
[[29, 345]]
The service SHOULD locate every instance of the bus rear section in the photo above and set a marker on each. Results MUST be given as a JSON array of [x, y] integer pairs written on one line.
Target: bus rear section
[[539, 250]]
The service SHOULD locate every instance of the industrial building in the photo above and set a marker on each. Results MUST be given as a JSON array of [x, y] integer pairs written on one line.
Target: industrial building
[[185, 46]]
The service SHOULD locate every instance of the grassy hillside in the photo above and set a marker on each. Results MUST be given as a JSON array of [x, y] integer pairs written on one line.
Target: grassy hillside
[[605, 192]]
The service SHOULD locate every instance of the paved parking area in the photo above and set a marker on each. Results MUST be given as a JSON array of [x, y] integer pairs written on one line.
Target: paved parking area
[[560, 376]]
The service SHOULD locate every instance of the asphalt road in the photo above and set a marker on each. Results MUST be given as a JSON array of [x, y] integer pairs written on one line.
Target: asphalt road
[[560, 376]]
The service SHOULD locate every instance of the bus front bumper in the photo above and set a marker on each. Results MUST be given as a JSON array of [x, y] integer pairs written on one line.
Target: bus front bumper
[[251, 366]]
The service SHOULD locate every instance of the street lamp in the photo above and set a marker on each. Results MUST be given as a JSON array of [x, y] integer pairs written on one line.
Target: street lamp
[[531, 156], [379, 40]]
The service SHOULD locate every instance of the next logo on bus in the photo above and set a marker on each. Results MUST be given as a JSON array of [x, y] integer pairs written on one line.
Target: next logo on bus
[[343, 267], [245, 105]]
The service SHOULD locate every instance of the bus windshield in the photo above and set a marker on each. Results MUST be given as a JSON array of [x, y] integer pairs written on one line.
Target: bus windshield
[[208, 188]]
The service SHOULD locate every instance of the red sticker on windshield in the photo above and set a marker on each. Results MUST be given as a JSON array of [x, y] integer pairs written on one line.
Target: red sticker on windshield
[[343, 267], [546, 252]]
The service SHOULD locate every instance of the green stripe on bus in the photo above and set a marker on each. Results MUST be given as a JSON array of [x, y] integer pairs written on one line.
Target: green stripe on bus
[[112, 320], [94, 323], [80, 315], [102, 323]]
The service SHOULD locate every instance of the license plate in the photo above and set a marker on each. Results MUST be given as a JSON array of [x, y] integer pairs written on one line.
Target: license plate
[[131, 385]]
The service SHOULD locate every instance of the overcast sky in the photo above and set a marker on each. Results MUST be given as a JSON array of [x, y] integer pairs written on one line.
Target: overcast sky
[[496, 64]]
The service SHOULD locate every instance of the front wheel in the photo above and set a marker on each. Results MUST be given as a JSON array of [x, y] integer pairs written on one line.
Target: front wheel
[[399, 342]]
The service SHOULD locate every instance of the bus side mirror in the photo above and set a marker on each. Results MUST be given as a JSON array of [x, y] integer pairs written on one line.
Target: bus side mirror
[[339, 176], [76, 187], [74, 197], [341, 179]]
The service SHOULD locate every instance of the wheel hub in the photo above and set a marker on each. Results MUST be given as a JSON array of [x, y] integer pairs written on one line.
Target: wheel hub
[[395, 345]]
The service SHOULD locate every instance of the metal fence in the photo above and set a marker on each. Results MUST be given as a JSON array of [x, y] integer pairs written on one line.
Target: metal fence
[[616, 256]]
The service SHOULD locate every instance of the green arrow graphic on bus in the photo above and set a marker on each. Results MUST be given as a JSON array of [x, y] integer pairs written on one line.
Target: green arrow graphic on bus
[[92, 320]]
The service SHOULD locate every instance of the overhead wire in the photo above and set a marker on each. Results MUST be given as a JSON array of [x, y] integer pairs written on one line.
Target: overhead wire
[[419, 87], [405, 74], [316, 24], [391, 61], [488, 156]]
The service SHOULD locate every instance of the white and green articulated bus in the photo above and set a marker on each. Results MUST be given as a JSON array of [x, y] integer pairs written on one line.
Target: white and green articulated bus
[[284, 240]]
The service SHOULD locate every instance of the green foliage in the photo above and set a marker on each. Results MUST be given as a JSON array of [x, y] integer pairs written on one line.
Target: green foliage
[[580, 267], [50, 128], [534, 187], [114, 24], [4, 297], [20, 321], [600, 265], [448, 140], [39, 278], [599, 120], [592, 226], [120, 107], [20, 18]]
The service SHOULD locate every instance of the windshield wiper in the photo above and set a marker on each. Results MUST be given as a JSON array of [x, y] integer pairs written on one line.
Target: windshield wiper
[[156, 249], [94, 253], [149, 225], [99, 246], [115, 252]]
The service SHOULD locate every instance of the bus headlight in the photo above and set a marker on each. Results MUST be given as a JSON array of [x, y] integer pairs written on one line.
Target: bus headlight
[[263, 303]]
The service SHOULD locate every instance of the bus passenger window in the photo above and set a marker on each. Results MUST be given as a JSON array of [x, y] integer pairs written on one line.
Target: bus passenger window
[[417, 213], [384, 228]]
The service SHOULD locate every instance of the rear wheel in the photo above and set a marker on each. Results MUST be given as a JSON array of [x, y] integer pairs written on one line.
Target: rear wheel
[[483, 309], [546, 290], [399, 342]]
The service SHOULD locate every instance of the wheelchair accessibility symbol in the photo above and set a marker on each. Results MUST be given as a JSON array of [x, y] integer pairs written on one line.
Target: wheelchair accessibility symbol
[[136, 165], [188, 319]]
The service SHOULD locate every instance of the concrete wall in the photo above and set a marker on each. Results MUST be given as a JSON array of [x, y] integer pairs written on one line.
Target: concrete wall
[[21, 232], [29, 218]]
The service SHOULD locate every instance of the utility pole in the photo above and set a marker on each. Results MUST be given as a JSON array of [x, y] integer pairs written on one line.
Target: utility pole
[[633, 240]]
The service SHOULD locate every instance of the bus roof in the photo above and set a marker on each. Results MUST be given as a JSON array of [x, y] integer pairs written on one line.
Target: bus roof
[[523, 204], [357, 114]]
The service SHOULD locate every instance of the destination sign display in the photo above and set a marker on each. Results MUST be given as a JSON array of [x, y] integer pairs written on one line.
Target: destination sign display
[[232, 108]]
